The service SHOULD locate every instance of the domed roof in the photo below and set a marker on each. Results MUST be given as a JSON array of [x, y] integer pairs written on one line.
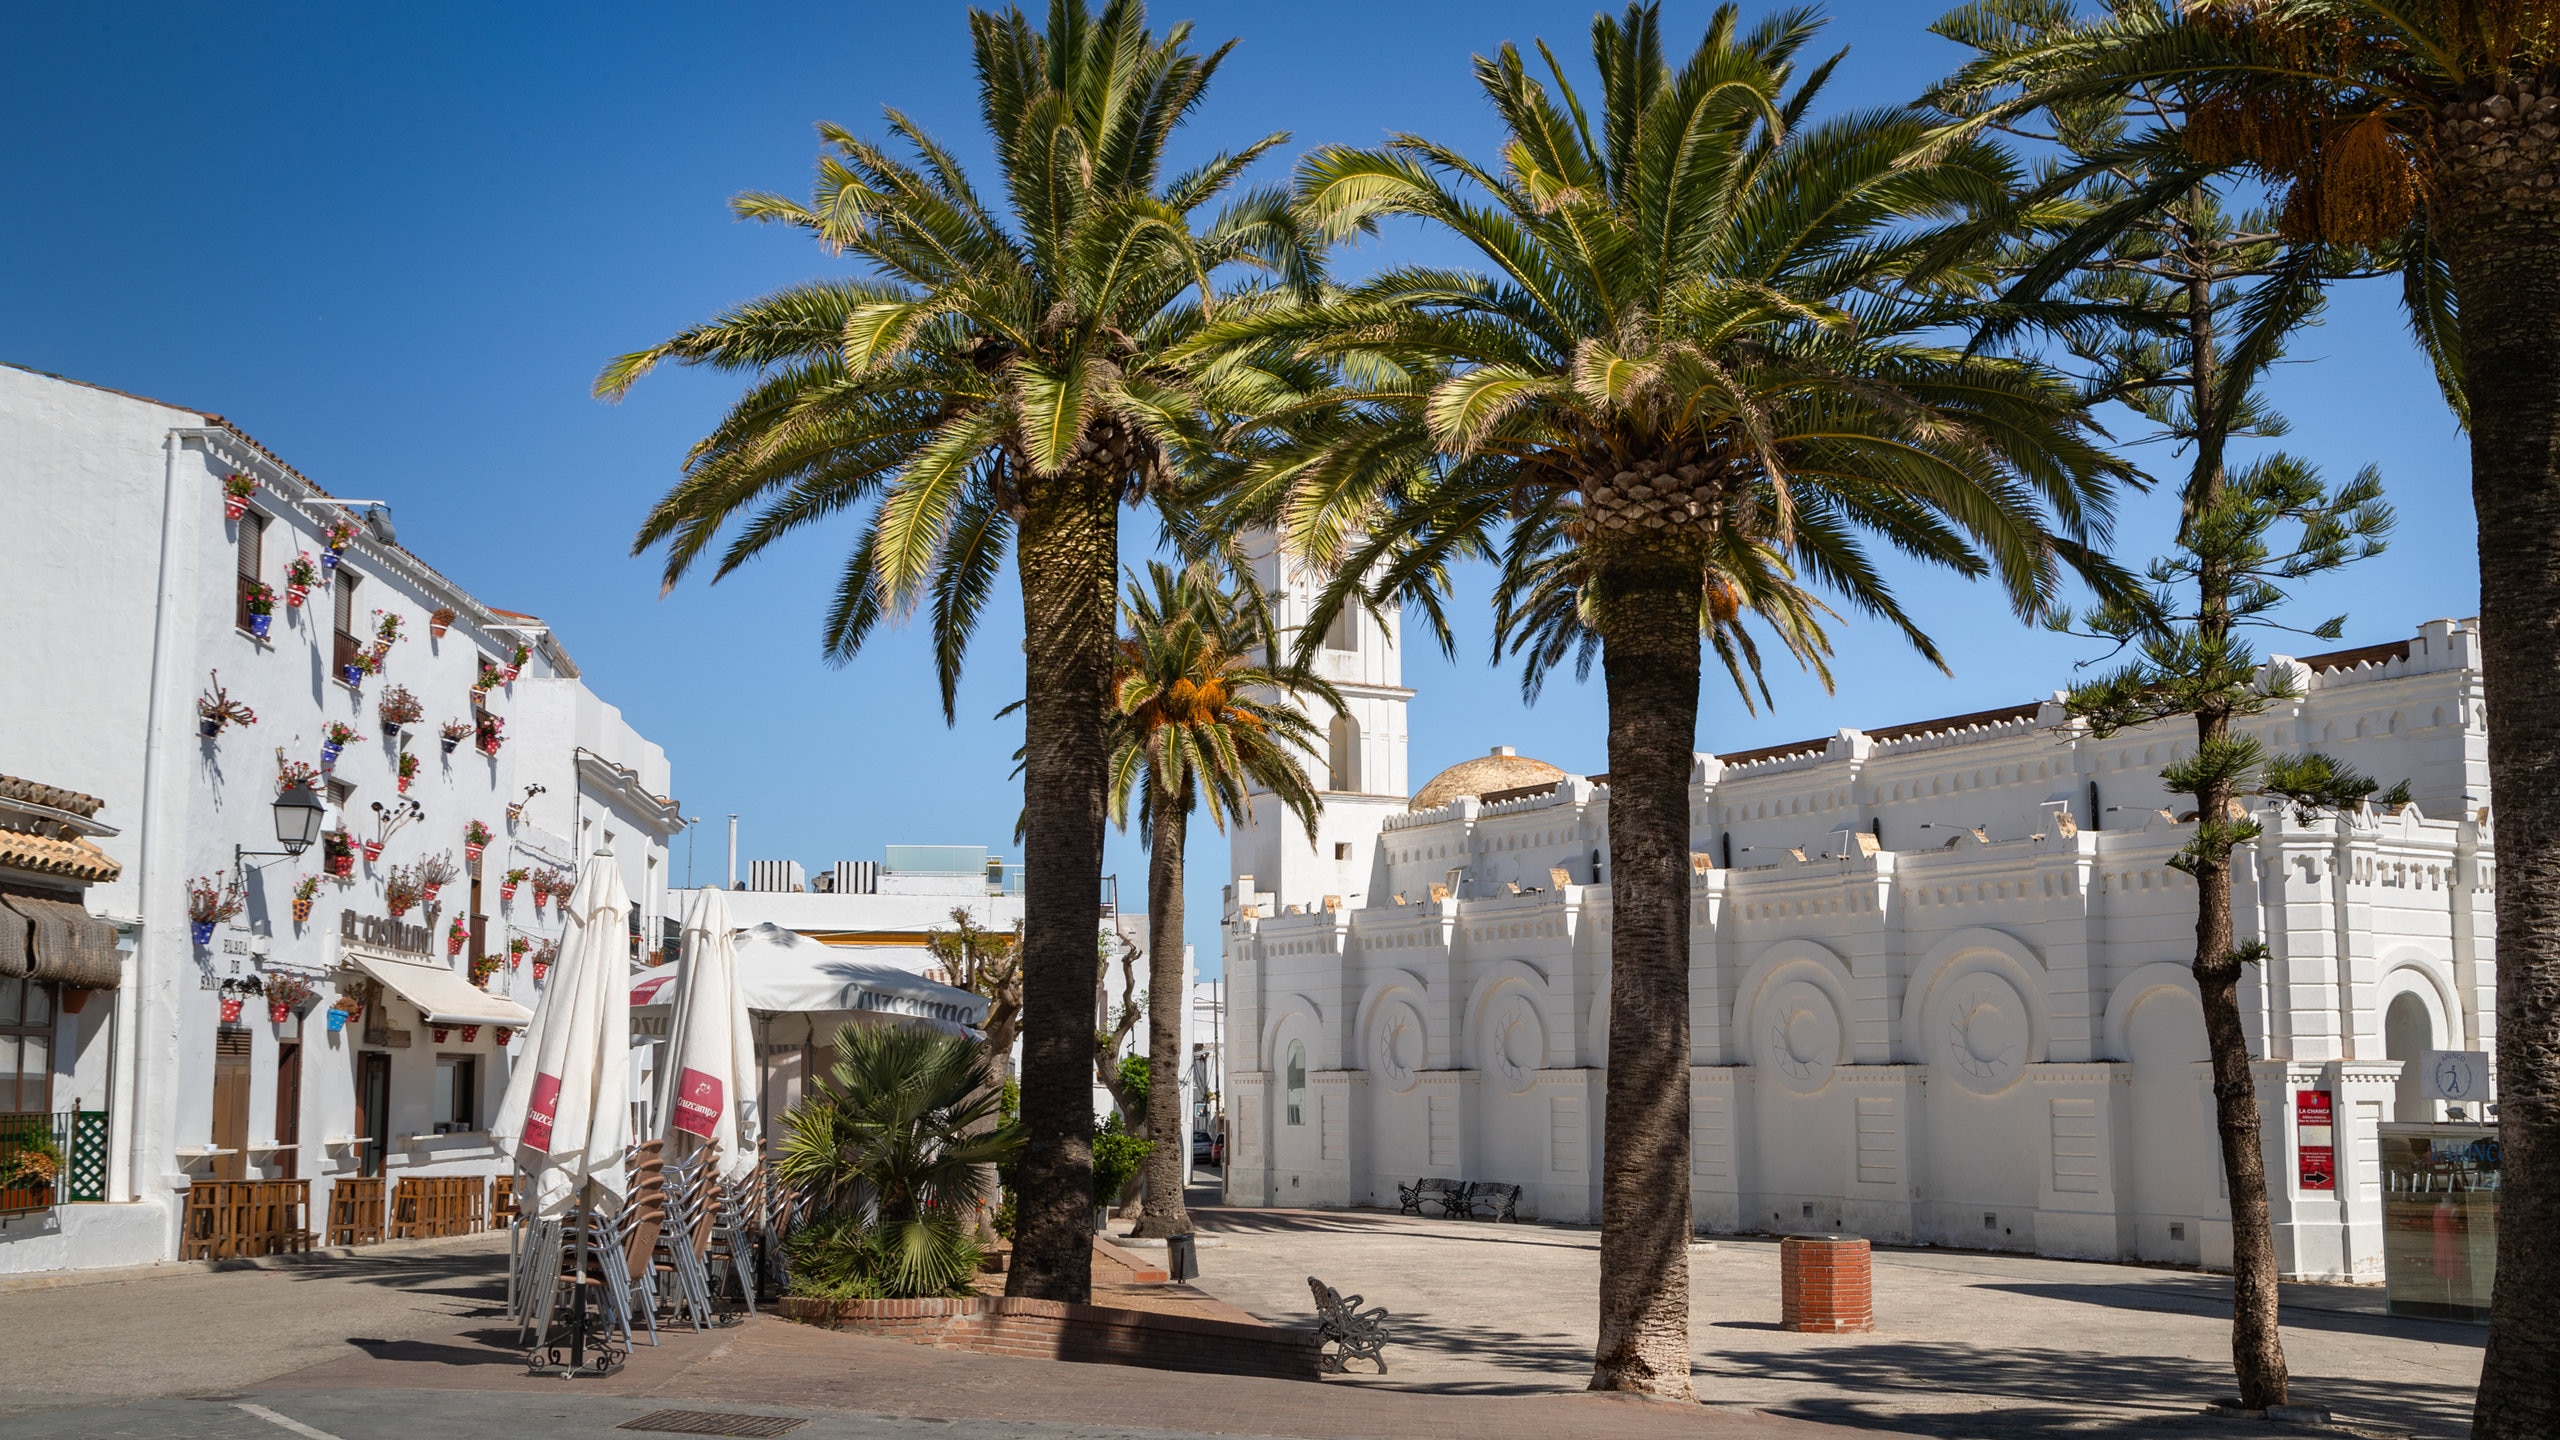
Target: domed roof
[[1504, 769]]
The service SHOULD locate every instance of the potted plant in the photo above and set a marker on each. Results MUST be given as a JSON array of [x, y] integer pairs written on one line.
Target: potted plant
[[491, 677], [440, 622], [400, 891], [335, 537], [508, 883], [453, 733], [517, 659], [287, 995], [490, 733], [482, 969], [215, 710], [408, 769], [261, 600], [291, 774], [236, 490], [454, 936], [338, 853], [502, 1034], [335, 737], [211, 899], [516, 949], [305, 890], [475, 838], [301, 574], [345, 1009], [398, 708], [434, 873], [34, 1165], [388, 820]]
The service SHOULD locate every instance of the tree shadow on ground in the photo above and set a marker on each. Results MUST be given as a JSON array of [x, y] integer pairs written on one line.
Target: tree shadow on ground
[[1365, 1223], [2207, 1297], [498, 1346]]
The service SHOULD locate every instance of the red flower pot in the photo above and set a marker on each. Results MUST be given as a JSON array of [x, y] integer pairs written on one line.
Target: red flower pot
[[233, 506], [279, 1013], [372, 851], [470, 1033], [343, 865], [541, 971], [430, 892], [471, 854], [404, 784], [231, 1009], [507, 891], [440, 1033], [294, 595]]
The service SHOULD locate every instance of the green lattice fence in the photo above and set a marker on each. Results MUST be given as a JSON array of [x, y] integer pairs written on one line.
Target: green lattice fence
[[75, 1140]]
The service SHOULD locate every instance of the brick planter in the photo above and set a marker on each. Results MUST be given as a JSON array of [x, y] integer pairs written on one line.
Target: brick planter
[[1092, 1334], [1827, 1286]]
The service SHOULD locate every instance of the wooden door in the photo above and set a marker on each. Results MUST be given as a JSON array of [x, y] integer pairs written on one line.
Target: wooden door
[[373, 1109], [288, 1109], [231, 1103]]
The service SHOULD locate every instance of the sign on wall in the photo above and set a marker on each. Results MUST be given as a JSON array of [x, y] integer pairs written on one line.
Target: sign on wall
[[2461, 1075], [2315, 1142]]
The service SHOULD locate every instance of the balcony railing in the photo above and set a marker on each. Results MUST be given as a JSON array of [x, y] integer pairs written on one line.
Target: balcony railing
[[78, 1142]]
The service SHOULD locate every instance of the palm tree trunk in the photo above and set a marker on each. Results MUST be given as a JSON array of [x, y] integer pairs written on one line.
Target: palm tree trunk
[[1068, 562], [2506, 271], [1168, 1128], [1649, 621]]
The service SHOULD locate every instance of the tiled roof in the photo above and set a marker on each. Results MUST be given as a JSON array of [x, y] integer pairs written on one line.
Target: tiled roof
[[2383, 653], [36, 792], [68, 859]]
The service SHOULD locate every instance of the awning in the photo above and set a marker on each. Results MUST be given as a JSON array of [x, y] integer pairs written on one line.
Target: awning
[[781, 971], [58, 940], [440, 995]]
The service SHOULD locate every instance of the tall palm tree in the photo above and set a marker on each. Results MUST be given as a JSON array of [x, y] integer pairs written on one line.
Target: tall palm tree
[[998, 376], [2418, 134], [1696, 379], [1201, 724]]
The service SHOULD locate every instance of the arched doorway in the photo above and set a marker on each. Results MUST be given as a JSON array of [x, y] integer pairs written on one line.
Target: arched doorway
[[2408, 1031]]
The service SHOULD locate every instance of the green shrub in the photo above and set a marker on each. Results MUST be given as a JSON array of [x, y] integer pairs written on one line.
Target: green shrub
[[1117, 1156]]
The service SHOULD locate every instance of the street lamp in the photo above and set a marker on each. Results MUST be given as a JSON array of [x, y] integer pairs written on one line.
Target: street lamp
[[298, 815]]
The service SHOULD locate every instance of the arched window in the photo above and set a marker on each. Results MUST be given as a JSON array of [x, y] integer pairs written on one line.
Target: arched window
[[1345, 736], [1297, 1077]]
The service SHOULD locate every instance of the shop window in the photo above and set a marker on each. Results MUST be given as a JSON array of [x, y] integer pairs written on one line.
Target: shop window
[[1297, 1082], [253, 543], [26, 1047], [456, 1105]]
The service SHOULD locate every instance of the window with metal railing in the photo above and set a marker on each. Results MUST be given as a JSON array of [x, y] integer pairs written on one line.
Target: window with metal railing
[[55, 1158]]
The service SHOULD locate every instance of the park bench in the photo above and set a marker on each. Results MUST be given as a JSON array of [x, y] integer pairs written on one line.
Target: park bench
[[1351, 1332], [1449, 1195], [1492, 1200]]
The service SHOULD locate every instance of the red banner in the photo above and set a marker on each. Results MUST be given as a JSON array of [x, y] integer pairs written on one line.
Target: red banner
[[2316, 1142], [539, 1110], [697, 1104]]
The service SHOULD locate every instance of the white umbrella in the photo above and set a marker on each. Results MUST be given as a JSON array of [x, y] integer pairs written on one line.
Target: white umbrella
[[567, 1112], [707, 1084]]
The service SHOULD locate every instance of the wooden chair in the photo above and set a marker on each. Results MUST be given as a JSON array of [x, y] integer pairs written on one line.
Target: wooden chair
[[355, 1211]]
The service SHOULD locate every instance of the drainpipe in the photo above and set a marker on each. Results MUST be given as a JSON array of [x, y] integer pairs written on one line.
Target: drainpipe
[[128, 1107]]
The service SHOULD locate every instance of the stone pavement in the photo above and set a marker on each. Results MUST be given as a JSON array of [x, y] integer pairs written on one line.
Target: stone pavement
[[1966, 1343]]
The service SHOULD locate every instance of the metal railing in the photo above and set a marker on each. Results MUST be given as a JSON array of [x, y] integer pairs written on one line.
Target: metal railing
[[77, 1140]]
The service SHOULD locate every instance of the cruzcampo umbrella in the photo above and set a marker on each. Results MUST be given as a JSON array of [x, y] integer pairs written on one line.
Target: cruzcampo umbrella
[[708, 1081], [567, 1112]]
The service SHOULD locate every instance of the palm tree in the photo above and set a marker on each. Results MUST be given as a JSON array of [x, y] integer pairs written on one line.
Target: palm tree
[[997, 377], [894, 1153], [1696, 379], [1200, 724], [2416, 134]]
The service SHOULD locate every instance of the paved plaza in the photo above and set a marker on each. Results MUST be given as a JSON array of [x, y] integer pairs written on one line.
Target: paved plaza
[[1493, 1330]]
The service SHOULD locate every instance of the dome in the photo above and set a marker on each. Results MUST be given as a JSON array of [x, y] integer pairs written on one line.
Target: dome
[[1504, 769]]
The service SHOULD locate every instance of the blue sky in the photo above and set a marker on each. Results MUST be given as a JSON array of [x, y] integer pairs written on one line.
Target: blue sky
[[396, 244]]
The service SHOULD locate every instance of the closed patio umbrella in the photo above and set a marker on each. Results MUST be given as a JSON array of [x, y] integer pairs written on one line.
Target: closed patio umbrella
[[566, 1117], [708, 1084]]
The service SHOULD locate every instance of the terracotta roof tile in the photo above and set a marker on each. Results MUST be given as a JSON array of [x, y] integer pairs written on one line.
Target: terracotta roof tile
[[36, 792], [69, 859]]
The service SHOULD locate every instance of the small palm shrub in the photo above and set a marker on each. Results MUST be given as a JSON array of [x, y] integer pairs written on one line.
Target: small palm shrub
[[894, 1151]]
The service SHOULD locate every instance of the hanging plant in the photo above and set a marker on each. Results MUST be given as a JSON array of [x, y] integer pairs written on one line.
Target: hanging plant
[[491, 677], [211, 899], [454, 936], [386, 627], [398, 708], [490, 732], [517, 659], [305, 890], [287, 996], [507, 885], [301, 573], [440, 622], [475, 838], [335, 737], [517, 949], [236, 490], [453, 733], [292, 773], [260, 599], [338, 853], [408, 769], [545, 956], [335, 537], [216, 710], [400, 891], [434, 873], [482, 969]]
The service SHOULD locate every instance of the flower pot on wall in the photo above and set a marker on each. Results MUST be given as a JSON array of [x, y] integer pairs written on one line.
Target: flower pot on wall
[[202, 930], [440, 1031], [278, 1014], [372, 851], [259, 625], [208, 728], [471, 855], [330, 750], [231, 1005], [328, 560], [294, 595], [234, 506], [337, 1021]]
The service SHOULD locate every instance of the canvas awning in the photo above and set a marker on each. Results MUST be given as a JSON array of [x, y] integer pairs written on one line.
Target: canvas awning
[[57, 939], [442, 996]]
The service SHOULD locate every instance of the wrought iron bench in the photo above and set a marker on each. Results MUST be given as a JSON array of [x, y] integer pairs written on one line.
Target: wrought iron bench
[[1492, 1200], [1449, 1195], [1351, 1332]]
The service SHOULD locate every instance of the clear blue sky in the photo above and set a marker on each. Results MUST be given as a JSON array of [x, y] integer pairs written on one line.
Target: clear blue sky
[[396, 243]]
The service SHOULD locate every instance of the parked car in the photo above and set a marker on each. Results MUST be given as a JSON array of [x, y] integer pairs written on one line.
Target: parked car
[[1208, 1149]]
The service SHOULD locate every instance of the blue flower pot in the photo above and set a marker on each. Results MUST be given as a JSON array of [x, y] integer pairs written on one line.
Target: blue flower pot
[[328, 560], [260, 624], [329, 753], [351, 675], [337, 1021], [202, 930]]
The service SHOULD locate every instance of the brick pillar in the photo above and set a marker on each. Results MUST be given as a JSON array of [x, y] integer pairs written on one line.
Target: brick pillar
[[1826, 1285]]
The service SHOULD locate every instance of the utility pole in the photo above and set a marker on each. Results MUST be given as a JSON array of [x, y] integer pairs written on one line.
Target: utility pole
[[689, 822]]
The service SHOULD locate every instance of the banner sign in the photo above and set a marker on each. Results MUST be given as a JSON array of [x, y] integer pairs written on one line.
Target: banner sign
[[539, 1111], [2457, 1075], [2316, 1140], [697, 1104]]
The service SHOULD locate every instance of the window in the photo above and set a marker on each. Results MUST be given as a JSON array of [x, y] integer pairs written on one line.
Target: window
[[344, 653], [253, 544], [1297, 1082], [1344, 632], [457, 1097], [1341, 849], [1344, 734], [26, 1047]]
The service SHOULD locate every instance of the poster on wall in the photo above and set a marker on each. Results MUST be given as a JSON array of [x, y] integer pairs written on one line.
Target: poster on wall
[[2315, 1141]]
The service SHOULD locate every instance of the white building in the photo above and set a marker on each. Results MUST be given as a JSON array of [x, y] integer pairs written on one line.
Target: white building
[[129, 596], [1940, 986]]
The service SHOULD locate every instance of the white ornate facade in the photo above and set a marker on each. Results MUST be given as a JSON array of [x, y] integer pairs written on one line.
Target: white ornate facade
[[1940, 985]]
